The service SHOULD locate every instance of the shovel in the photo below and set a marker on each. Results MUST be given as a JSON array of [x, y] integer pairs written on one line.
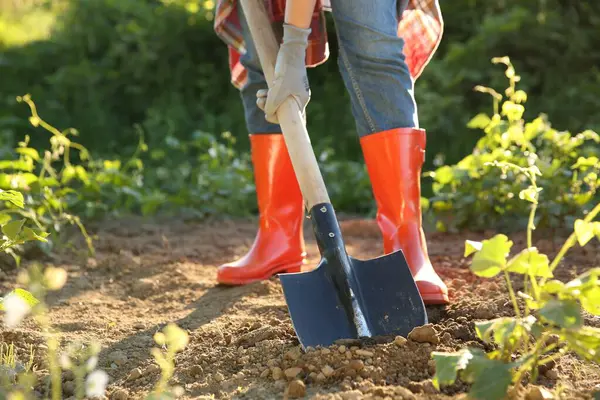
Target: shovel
[[342, 298]]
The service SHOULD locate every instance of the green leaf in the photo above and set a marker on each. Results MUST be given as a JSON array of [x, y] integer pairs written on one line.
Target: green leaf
[[564, 313], [447, 366], [4, 218], [68, 174], [13, 229], [491, 259], [471, 247], [492, 382], [480, 121], [483, 329], [530, 194], [553, 287], [585, 341], [28, 151], [30, 234], [24, 295], [13, 197], [531, 262], [444, 175], [585, 231]]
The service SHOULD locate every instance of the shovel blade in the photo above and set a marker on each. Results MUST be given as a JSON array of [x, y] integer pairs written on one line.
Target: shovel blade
[[317, 314], [388, 295]]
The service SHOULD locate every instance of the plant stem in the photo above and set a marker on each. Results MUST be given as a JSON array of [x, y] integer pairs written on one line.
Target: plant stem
[[572, 240], [511, 291]]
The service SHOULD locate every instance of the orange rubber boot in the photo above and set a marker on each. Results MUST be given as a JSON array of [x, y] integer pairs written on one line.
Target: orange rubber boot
[[394, 159], [279, 244]]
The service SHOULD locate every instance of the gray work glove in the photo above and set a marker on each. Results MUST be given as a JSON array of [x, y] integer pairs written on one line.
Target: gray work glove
[[290, 74]]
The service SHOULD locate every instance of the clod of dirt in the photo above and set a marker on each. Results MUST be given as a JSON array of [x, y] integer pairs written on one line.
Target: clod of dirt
[[400, 341], [68, 375], [255, 336], [119, 394], [69, 388], [327, 371], [485, 311], [552, 374], [364, 353], [134, 374], [293, 354], [351, 395], [144, 288], [446, 338], [392, 392], [425, 386], [276, 373], [424, 334], [538, 393], [293, 372], [151, 369], [296, 389], [357, 365], [118, 357]]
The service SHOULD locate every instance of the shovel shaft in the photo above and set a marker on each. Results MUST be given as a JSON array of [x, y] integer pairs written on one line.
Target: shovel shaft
[[289, 114]]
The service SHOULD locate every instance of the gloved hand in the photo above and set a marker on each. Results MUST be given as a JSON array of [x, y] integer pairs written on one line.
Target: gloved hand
[[290, 74]]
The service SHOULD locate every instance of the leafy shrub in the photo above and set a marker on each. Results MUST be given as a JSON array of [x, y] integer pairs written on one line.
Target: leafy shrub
[[473, 194], [549, 314], [111, 65]]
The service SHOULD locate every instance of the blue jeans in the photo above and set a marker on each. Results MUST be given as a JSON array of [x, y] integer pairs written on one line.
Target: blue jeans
[[370, 61]]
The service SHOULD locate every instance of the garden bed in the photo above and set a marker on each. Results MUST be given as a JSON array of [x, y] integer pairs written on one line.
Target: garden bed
[[241, 342]]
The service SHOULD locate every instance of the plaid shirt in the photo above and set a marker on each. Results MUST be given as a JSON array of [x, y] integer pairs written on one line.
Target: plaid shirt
[[421, 26]]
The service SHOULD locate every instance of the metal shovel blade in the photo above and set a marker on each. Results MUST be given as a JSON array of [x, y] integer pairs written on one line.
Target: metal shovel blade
[[346, 298]]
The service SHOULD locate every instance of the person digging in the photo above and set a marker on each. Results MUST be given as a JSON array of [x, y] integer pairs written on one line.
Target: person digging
[[384, 46]]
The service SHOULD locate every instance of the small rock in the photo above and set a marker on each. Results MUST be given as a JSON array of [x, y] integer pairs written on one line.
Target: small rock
[[276, 373], [538, 393], [320, 377], [68, 375], [325, 351], [265, 373], [296, 389], [327, 371], [357, 365], [342, 349], [424, 334], [272, 363], [219, 377], [134, 374], [551, 374], [195, 370], [293, 372], [151, 369], [118, 357], [364, 353], [400, 341], [119, 394], [69, 388], [293, 354], [352, 395]]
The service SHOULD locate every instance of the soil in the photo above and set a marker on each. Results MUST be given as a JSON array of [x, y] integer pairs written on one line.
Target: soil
[[146, 274]]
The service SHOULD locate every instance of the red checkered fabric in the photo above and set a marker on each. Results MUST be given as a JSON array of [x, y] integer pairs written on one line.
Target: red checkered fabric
[[421, 26]]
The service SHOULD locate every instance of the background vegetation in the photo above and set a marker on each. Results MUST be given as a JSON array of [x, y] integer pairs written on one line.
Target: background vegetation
[[119, 71]]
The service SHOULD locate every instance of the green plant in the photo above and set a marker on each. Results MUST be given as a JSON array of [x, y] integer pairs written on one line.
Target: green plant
[[174, 339], [548, 319], [473, 194]]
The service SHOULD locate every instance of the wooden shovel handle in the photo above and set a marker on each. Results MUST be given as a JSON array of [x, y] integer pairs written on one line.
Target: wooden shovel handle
[[289, 114]]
